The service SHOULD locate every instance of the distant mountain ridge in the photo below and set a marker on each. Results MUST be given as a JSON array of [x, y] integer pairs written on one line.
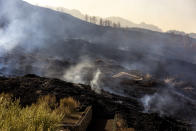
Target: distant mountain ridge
[[129, 24], [122, 21], [192, 35]]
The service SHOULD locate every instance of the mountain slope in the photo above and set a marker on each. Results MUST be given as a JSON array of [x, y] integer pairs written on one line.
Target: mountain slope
[[193, 35], [129, 24], [122, 21], [33, 29], [57, 45]]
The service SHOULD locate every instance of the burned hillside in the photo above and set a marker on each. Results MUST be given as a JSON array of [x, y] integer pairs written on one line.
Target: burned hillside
[[147, 76], [105, 105]]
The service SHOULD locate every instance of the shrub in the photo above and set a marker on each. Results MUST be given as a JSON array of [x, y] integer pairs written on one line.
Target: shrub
[[44, 115], [49, 100], [69, 102], [67, 106]]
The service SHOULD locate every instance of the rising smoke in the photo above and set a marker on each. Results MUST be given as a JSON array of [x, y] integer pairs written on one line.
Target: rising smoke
[[95, 83], [79, 72], [169, 101], [163, 103], [84, 72], [19, 28]]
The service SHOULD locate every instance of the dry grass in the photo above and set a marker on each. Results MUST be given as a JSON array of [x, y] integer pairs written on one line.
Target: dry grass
[[45, 115], [69, 102], [120, 123]]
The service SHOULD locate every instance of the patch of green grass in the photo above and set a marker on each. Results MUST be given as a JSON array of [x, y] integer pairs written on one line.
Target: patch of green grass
[[45, 115]]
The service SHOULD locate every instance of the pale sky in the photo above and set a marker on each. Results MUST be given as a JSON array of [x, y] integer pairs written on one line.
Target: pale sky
[[167, 14]]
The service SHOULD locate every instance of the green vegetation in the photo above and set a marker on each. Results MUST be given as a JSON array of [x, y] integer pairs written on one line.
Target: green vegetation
[[45, 115]]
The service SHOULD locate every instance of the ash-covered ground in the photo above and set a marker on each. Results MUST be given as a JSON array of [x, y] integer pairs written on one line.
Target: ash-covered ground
[[146, 102], [105, 105]]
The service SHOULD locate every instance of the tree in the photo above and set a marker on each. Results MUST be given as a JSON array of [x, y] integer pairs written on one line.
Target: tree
[[114, 25], [91, 19], [118, 25], [106, 22], [109, 23], [94, 20], [101, 22], [86, 17]]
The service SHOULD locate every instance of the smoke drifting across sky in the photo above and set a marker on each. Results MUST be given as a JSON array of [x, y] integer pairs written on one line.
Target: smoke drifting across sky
[[167, 14]]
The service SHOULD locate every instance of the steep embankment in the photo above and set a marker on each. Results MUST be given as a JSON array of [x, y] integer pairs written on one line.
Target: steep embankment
[[105, 105]]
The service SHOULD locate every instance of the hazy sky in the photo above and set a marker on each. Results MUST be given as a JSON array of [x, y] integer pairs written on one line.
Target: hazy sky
[[167, 14]]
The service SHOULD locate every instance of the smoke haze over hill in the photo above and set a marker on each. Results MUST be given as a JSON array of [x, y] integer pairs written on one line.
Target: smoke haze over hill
[[57, 35], [49, 43]]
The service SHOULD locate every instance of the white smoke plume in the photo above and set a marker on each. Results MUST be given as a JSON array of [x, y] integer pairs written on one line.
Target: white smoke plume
[[79, 72], [84, 73], [19, 27], [95, 83], [163, 104], [170, 102]]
